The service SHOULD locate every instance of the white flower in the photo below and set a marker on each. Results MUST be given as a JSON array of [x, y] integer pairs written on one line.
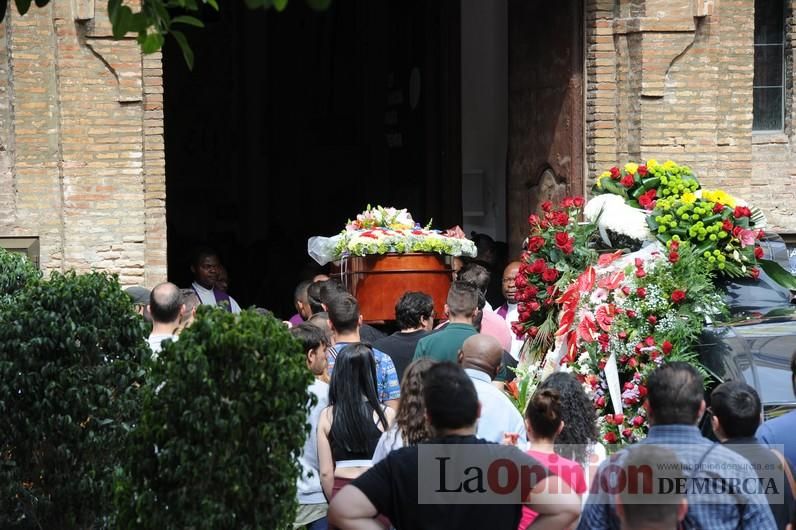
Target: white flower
[[615, 215]]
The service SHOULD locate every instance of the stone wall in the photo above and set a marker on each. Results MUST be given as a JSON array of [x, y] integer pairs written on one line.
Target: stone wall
[[81, 142], [673, 79]]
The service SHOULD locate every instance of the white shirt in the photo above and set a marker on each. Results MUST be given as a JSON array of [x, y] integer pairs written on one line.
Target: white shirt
[[309, 482], [512, 315], [498, 413], [206, 296], [156, 339], [390, 440]]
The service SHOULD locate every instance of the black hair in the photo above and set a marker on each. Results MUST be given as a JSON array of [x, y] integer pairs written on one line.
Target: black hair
[[675, 393], [310, 336], [343, 313], [411, 308], [577, 413], [165, 302], [475, 274], [202, 252], [314, 297], [320, 319], [354, 377], [331, 289], [737, 406], [462, 299], [544, 412], [450, 397], [300, 294]]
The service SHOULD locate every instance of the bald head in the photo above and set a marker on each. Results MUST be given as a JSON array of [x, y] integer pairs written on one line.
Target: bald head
[[509, 274], [482, 352], [165, 303]]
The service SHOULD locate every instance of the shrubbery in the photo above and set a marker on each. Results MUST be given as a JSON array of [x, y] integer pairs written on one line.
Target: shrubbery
[[15, 272], [223, 419], [69, 352]]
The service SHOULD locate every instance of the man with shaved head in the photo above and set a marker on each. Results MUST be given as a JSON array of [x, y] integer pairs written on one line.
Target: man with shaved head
[[509, 310], [166, 307], [480, 357]]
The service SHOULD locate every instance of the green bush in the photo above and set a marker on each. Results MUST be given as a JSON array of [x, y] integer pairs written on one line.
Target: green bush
[[223, 420], [15, 272], [69, 348]]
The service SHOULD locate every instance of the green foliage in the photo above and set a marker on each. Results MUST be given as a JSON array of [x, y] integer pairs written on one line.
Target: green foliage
[[15, 272], [223, 421], [69, 348]]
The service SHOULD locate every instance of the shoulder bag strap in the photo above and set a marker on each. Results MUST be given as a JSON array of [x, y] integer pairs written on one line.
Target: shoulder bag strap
[[788, 472]]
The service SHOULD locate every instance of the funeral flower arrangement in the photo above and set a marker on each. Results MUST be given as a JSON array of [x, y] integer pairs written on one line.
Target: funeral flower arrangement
[[383, 230], [612, 319]]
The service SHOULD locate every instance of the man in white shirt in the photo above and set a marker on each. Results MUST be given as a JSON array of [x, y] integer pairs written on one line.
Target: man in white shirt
[[508, 311], [205, 268], [480, 357], [165, 306]]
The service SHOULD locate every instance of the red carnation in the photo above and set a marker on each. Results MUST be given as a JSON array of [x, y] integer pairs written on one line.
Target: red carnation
[[547, 206], [759, 252], [615, 174], [536, 243], [578, 202], [619, 419], [610, 437], [642, 390], [550, 275], [727, 225], [638, 421], [600, 401], [538, 266], [674, 257], [642, 170], [678, 296], [666, 347], [742, 211], [627, 181], [718, 207], [641, 292], [649, 341], [622, 335], [640, 273], [631, 314], [754, 273], [626, 290], [652, 319]]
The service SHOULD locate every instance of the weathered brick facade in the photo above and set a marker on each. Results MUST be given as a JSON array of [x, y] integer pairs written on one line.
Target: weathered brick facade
[[671, 79], [81, 142]]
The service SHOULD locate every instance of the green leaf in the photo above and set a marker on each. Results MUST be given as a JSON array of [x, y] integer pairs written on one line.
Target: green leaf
[[3, 8], [777, 273], [187, 52], [213, 4], [150, 42], [189, 20], [280, 5], [257, 4], [319, 5], [22, 6]]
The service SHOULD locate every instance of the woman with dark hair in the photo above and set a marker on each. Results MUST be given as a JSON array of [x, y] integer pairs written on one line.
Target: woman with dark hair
[[410, 426], [578, 440], [350, 427], [544, 422]]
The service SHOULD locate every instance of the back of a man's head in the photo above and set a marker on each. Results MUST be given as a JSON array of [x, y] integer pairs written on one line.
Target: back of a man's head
[[643, 468], [462, 299], [411, 308], [343, 313], [737, 407], [331, 289], [314, 296], [475, 274], [300, 294], [482, 352], [450, 397], [165, 303], [675, 393], [190, 300]]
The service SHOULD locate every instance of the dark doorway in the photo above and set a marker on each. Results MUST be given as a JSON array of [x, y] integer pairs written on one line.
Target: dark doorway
[[292, 122]]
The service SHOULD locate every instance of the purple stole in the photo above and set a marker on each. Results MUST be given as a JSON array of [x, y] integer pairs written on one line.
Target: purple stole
[[222, 299], [503, 311]]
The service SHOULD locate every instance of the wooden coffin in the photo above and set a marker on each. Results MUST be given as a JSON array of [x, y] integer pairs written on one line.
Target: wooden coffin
[[378, 282]]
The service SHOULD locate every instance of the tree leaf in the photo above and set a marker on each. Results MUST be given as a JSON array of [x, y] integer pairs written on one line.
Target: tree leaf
[[3, 7], [778, 274], [189, 20], [280, 5], [319, 5], [257, 4], [213, 4], [22, 6], [187, 52], [150, 42]]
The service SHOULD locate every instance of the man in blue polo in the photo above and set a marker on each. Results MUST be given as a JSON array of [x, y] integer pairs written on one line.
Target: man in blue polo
[[461, 308]]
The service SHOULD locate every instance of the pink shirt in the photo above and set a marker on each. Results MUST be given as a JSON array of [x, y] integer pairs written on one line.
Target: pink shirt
[[570, 471], [493, 325]]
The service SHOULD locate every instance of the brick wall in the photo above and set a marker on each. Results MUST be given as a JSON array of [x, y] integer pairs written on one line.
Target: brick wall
[[81, 142], [663, 83]]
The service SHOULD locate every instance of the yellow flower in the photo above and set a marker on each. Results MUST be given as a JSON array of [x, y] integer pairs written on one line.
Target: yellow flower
[[605, 174], [719, 196], [689, 198], [631, 168], [669, 165], [652, 163]]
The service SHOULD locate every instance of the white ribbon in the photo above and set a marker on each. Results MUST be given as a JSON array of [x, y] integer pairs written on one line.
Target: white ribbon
[[612, 378]]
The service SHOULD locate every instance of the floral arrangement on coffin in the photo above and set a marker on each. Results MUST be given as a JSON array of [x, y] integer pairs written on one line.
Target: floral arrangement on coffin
[[382, 230], [624, 318]]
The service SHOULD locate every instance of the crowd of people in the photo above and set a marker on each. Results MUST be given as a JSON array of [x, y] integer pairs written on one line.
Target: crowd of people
[[383, 401]]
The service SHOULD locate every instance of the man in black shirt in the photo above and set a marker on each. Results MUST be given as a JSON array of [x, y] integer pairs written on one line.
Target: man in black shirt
[[391, 487], [414, 314]]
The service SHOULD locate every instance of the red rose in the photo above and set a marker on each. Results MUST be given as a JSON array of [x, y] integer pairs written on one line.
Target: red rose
[[632, 363], [533, 331], [517, 329], [641, 292], [674, 245], [609, 419], [568, 249], [536, 243], [578, 202], [547, 206], [626, 290], [718, 207], [652, 319], [600, 401], [759, 252], [754, 273], [638, 421], [550, 275], [615, 174], [544, 225], [533, 306], [649, 341], [521, 282], [622, 335], [627, 181], [563, 239], [531, 291], [628, 386], [666, 347], [619, 419], [640, 273], [538, 266], [610, 437], [678, 296], [642, 390], [533, 219], [736, 232], [741, 211], [567, 202], [627, 433], [560, 219], [674, 257], [642, 170], [631, 314], [727, 225]]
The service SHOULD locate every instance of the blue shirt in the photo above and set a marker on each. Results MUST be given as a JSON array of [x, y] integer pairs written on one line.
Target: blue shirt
[[689, 446], [780, 431], [386, 377], [498, 413]]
